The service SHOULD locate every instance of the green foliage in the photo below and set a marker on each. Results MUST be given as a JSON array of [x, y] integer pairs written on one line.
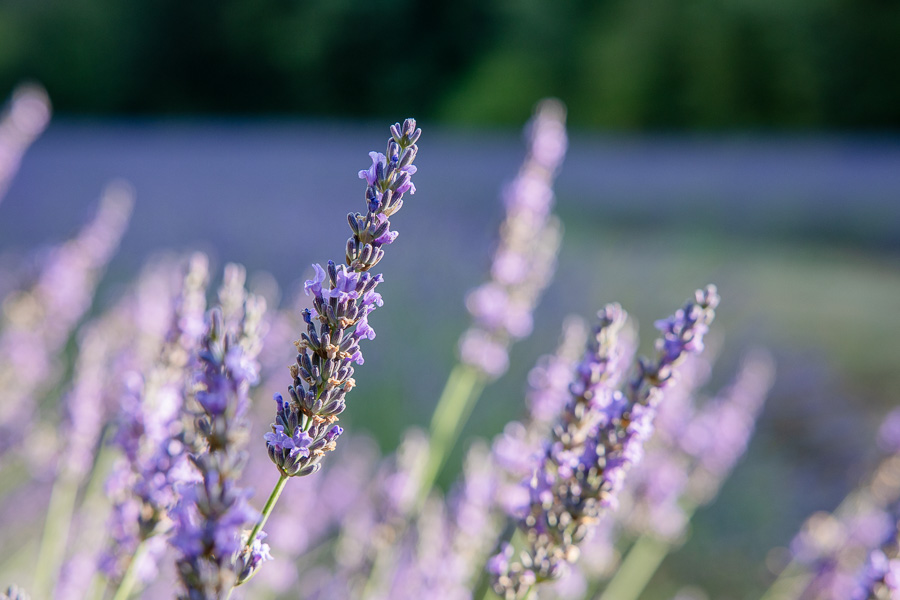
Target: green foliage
[[624, 64]]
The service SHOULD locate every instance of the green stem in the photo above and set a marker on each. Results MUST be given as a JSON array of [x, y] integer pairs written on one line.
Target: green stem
[[127, 583], [636, 569], [790, 582], [461, 393], [267, 510], [56, 534]]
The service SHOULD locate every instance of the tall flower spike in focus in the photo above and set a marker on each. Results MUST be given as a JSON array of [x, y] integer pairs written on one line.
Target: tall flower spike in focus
[[598, 436], [343, 297]]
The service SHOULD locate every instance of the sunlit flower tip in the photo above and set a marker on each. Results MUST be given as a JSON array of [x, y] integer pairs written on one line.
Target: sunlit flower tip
[[314, 285]]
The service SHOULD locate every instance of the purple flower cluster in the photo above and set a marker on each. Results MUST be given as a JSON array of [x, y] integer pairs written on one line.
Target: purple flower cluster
[[525, 257], [598, 436], [343, 297], [144, 484], [213, 552], [852, 553]]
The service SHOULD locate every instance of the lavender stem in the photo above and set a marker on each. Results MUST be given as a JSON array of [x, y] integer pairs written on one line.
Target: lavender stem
[[267, 510], [123, 592], [56, 533], [461, 392], [639, 565]]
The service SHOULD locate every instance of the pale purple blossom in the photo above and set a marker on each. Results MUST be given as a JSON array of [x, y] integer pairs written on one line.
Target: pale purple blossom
[[525, 257], [23, 120], [36, 323]]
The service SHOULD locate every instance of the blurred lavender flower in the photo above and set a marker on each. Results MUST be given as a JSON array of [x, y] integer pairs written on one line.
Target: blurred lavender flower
[[525, 257], [37, 323], [143, 482], [24, 119], [830, 553], [598, 436], [213, 552], [343, 297], [880, 577]]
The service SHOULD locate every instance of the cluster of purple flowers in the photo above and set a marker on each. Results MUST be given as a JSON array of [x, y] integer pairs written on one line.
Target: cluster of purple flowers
[[852, 552], [343, 297], [610, 449], [210, 517], [597, 437]]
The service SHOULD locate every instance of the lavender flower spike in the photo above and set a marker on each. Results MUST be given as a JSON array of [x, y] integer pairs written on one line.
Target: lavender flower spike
[[24, 119], [599, 435], [525, 257], [212, 514], [343, 297]]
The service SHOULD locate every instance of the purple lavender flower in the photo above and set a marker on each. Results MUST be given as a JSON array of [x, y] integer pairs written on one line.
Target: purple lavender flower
[[599, 435], [144, 481], [209, 519], [25, 118], [525, 257], [343, 298], [36, 323]]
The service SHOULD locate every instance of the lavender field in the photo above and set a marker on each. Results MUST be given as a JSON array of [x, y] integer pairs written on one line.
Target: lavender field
[[800, 234]]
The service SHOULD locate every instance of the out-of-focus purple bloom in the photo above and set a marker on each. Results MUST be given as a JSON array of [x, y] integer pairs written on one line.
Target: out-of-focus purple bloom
[[209, 519], [525, 257], [889, 432], [144, 483], [24, 119], [718, 436], [343, 297], [832, 549], [37, 323]]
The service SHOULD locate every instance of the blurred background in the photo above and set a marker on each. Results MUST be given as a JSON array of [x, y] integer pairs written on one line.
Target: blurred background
[[750, 144]]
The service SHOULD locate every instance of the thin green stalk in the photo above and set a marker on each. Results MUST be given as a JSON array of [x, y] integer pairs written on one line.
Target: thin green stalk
[[123, 592], [55, 536], [458, 398], [636, 569], [461, 393], [267, 510], [790, 582]]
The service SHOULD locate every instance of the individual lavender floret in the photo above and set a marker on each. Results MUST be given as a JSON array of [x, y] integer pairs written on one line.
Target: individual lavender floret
[[25, 118], [211, 515], [525, 257], [597, 438], [343, 297]]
